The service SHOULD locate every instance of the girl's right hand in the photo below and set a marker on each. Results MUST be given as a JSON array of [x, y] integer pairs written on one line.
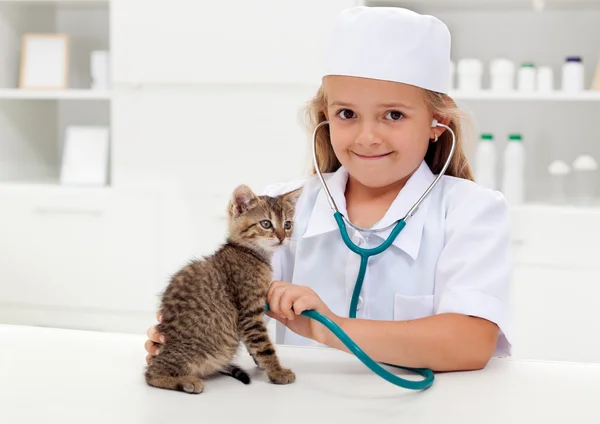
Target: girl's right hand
[[155, 340]]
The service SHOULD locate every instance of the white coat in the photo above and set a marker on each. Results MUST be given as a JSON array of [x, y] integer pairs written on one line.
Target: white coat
[[452, 256]]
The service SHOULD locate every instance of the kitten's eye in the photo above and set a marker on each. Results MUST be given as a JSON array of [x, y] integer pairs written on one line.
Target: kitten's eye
[[394, 115], [287, 225], [266, 224], [346, 114]]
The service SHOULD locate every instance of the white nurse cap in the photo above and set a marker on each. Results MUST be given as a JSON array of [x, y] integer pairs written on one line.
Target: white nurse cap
[[390, 43]]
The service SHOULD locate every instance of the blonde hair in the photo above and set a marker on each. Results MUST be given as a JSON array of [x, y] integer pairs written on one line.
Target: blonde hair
[[440, 105]]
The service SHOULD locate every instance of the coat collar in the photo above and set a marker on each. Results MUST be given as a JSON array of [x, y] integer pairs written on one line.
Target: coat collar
[[409, 240]]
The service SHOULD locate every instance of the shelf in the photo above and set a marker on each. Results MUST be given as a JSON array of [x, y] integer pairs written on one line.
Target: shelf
[[71, 94], [57, 2], [559, 209], [453, 5], [556, 96]]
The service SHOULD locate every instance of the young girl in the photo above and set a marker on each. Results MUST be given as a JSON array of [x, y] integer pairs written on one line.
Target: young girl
[[438, 297]]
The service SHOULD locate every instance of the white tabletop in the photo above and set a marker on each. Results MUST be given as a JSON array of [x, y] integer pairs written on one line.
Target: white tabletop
[[63, 376]]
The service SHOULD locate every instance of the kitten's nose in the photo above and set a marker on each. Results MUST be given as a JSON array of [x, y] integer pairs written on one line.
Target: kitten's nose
[[280, 237]]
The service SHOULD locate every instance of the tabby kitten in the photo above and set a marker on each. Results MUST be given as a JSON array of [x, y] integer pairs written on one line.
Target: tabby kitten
[[213, 304]]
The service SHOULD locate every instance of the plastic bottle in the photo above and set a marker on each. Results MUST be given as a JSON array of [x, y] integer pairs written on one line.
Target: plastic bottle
[[585, 171], [573, 74], [470, 73], [545, 79], [485, 162], [559, 172], [513, 178], [526, 77], [502, 75]]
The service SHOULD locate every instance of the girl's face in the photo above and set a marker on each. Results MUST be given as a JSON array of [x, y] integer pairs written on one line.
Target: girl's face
[[380, 130]]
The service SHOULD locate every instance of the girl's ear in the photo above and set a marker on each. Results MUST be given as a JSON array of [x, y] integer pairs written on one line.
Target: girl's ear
[[437, 130], [326, 113]]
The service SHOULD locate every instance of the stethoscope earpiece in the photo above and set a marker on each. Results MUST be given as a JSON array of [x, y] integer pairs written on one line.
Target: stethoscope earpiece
[[434, 123]]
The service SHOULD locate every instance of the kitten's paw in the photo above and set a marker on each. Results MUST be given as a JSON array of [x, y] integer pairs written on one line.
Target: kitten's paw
[[282, 376], [191, 384]]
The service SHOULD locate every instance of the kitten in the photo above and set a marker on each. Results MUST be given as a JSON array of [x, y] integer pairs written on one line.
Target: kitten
[[213, 303]]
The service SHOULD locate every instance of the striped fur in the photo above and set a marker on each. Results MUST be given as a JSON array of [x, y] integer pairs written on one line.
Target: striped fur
[[214, 303]]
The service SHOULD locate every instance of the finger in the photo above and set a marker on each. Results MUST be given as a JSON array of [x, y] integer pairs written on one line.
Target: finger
[[277, 318], [149, 346], [159, 316], [287, 302], [275, 299], [274, 286], [155, 336], [148, 359], [304, 303]]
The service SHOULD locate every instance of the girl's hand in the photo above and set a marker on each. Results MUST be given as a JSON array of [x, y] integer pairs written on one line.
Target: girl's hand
[[287, 301], [155, 340]]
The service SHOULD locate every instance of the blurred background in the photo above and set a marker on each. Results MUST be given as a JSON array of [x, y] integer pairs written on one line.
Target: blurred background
[[125, 124]]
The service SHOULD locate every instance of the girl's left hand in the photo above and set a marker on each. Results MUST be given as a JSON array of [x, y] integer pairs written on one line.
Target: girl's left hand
[[287, 301]]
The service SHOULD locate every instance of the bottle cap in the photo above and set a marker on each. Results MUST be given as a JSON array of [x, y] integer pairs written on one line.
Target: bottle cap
[[573, 59], [558, 167], [487, 136], [585, 163], [527, 65], [515, 137]]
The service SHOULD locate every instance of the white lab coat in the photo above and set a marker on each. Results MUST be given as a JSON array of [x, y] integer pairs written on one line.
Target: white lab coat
[[452, 256]]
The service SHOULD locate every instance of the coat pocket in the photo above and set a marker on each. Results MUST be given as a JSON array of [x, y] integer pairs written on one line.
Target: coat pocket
[[412, 307]]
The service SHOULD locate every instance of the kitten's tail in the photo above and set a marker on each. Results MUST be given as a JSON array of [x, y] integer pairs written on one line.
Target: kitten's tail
[[237, 373]]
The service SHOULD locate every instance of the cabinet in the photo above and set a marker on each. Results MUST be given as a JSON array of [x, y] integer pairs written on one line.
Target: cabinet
[[555, 286], [78, 249]]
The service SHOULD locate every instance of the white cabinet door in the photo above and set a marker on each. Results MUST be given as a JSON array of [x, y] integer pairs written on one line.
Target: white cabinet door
[[183, 41], [92, 249], [556, 313]]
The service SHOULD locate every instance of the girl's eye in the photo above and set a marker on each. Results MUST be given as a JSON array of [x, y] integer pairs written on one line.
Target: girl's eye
[[266, 224], [287, 225], [346, 114], [394, 115]]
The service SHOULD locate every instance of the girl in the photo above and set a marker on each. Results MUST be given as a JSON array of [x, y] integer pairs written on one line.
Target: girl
[[438, 296]]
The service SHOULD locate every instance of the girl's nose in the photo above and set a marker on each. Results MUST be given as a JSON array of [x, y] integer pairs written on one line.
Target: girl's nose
[[368, 135]]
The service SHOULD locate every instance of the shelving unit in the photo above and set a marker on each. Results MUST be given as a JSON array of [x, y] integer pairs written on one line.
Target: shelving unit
[[72, 94], [33, 123], [489, 5], [556, 96]]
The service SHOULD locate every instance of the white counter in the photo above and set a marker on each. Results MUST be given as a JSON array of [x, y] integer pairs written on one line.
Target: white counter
[[64, 376]]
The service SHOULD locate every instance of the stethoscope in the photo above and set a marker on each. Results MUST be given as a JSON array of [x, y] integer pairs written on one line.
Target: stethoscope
[[341, 220], [365, 254]]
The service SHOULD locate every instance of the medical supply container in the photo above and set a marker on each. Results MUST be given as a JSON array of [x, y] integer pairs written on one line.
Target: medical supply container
[[513, 176], [545, 79], [485, 162], [526, 77], [585, 175], [470, 74], [573, 74]]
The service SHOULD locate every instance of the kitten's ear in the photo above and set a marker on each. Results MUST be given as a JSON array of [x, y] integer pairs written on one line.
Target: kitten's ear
[[292, 196], [243, 200]]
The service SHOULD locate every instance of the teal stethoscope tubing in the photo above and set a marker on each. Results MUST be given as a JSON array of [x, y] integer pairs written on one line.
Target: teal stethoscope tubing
[[365, 254]]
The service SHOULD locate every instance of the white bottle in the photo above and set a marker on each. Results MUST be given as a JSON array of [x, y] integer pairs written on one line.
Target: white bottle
[[470, 73], [502, 75], [526, 77], [585, 167], [573, 74], [559, 171], [545, 79], [485, 162], [513, 178]]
